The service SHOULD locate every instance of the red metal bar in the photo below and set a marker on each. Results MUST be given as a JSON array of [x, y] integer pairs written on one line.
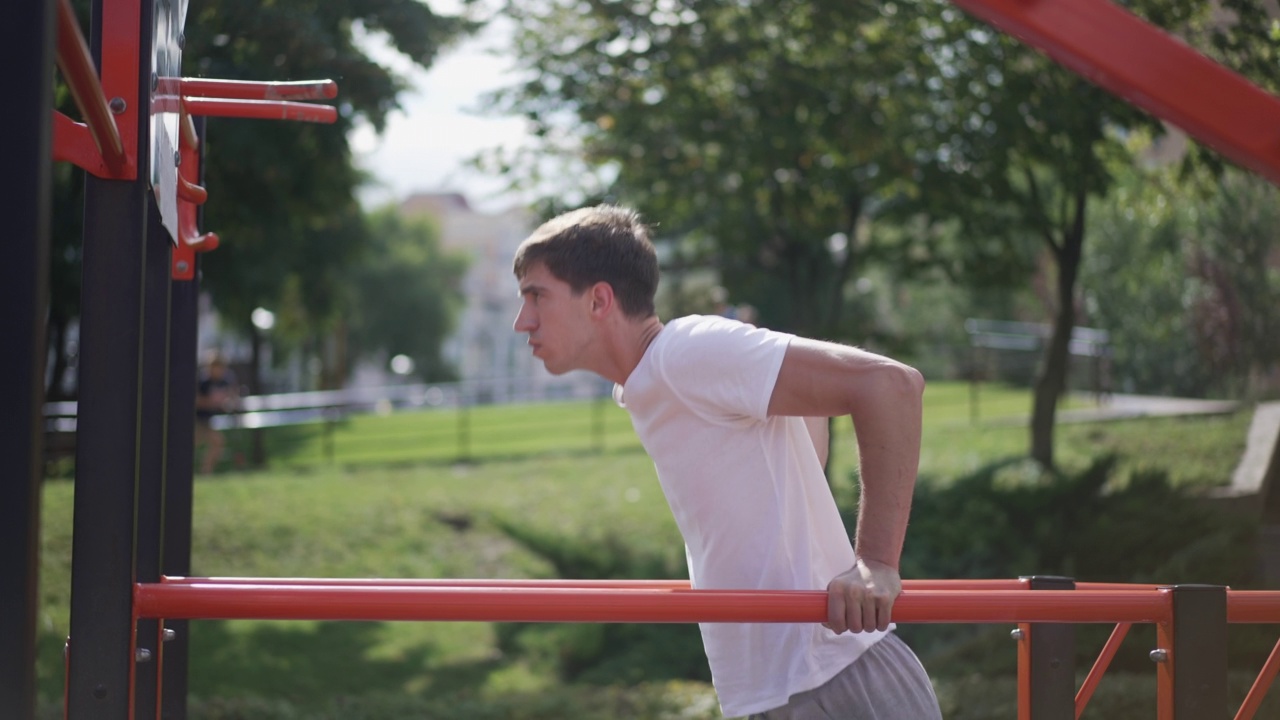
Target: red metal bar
[[1258, 691], [401, 603], [1164, 671], [261, 109], [1253, 606], [247, 90], [77, 69], [1150, 69], [1100, 666], [554, 583]]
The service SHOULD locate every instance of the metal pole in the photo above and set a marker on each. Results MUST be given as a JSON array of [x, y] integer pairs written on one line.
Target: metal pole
[[1046, 662], [1197, 659], [102, 564], [27, 45], [152, 443], [175, 555]]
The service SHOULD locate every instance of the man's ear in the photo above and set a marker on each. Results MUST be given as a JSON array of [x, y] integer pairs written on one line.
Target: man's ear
[[602, 299]]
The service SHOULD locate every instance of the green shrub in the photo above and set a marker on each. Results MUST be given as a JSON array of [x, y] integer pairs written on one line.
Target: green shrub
[[1010, 520], [603, 653]]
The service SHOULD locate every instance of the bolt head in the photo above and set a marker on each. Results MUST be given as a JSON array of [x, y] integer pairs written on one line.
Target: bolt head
[[1016, 634], [1159, 655], [142, 655], [170, 633], [177, 158], [117, 105]]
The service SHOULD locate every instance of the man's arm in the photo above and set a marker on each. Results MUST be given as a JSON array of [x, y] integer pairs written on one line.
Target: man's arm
[[883, 397]]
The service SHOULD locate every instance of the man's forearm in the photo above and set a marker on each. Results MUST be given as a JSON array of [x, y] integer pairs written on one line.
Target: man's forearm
[[888, 428]]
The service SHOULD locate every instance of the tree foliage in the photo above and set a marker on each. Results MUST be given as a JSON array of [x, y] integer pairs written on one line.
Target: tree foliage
[[406, 293], [760, 130], [282, 195], [796, 142]]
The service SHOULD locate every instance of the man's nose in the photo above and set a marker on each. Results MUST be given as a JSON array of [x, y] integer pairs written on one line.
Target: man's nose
[[524, 322]]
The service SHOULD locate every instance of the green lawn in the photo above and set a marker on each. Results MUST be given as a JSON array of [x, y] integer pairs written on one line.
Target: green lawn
[[393, 503]]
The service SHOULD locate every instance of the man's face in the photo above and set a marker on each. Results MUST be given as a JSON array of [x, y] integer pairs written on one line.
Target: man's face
[[557, 322]]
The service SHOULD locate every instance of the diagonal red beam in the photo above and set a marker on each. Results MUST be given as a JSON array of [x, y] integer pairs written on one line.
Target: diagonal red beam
[[1151, 69], [76, 66]]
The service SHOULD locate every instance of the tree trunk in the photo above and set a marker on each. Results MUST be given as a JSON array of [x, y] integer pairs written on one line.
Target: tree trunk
[[1051, 381]]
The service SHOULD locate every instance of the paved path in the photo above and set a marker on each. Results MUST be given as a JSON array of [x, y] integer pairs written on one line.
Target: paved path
[[1120, 407]]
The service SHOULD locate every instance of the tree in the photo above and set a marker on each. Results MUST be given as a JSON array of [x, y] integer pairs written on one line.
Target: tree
[[1185, 274], [765, 134], [282, 195], [1042, 143], [406, 294]]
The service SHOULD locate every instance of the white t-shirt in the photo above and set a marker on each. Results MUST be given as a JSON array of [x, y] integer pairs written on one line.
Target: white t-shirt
[[750, 498]]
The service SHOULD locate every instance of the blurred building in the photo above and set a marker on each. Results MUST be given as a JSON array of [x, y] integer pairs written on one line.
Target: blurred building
[[489, 355]]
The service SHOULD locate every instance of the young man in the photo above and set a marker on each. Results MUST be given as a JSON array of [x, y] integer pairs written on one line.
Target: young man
[[720, 406]]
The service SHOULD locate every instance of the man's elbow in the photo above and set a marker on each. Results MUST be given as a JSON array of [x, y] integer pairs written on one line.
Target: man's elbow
[[903, 384]]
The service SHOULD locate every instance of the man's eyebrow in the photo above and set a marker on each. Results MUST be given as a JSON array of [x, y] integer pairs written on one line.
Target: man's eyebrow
[[530, 288]]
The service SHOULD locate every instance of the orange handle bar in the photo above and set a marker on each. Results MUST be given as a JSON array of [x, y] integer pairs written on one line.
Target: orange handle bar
[[261, 109], [249, 90], [197, 600]]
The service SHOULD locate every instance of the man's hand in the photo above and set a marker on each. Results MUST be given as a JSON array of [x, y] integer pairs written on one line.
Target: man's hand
[[861, 598]]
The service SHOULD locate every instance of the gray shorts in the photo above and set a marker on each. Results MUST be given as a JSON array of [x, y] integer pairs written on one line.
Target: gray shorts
[[886, 683]]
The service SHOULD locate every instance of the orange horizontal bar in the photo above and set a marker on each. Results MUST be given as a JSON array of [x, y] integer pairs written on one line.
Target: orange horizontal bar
[[435, 582], [1253, 606], [249, 90], [506, 604], [261, 109], [77, 69], [553, 583]]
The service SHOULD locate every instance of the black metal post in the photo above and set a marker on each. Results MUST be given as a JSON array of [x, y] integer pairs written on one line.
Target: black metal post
[[175, 552], [1051, 656], [1199, 652], [109, 413], [151, 451], [27, 47]]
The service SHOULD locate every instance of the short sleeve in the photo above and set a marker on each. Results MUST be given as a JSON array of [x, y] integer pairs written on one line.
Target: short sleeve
[[724, 370]]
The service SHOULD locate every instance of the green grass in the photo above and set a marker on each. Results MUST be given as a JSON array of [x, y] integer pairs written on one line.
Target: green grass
[[393, 502]]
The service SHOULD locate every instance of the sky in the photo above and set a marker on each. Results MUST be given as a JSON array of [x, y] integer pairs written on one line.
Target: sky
[[425, 145]]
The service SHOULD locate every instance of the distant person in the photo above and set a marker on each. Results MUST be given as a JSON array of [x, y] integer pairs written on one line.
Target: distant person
[[732, 416], [216, 393], [720, 303]]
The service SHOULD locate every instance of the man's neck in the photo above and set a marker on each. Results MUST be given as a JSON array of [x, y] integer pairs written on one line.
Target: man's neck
[[633, 339]]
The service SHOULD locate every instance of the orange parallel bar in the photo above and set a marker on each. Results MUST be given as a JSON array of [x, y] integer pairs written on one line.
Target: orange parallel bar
[[1253, 606], [554, 583], [404, 603], [249, 90], [261, 109], [76, 66], [1151, 69]]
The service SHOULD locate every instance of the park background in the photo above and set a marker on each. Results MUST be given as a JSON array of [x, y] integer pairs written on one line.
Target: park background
[[876, 175]]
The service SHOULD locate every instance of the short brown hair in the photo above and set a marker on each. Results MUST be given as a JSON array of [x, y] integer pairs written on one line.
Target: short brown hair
[[605, 243]]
